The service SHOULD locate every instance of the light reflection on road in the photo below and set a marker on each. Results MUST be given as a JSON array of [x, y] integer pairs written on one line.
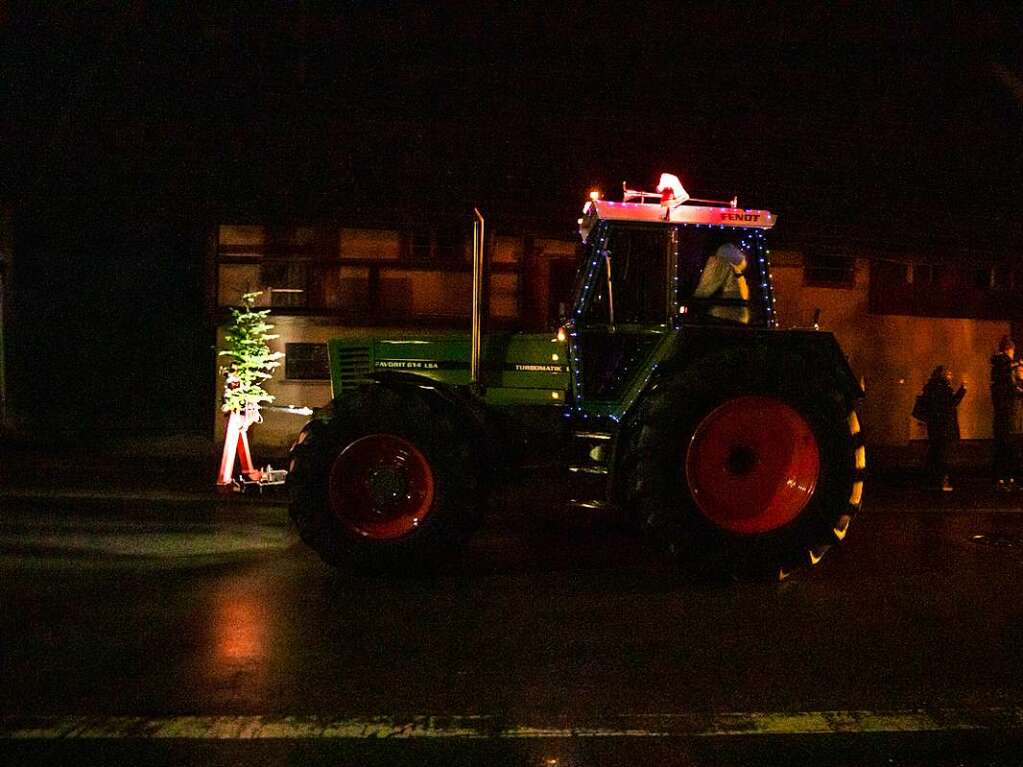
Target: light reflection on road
[[239, 638], [240, 628]]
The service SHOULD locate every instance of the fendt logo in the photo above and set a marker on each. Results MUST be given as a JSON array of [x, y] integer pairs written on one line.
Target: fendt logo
[[743, 216]]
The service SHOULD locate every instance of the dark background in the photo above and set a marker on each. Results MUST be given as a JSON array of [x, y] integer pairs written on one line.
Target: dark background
[[130, 129]]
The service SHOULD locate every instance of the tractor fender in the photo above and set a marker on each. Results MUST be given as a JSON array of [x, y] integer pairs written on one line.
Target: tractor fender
[[451, 401], [718, 352], [718, 347], [454, 402]]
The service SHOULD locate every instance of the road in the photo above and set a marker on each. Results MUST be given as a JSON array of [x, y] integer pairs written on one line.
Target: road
[[190, 638]]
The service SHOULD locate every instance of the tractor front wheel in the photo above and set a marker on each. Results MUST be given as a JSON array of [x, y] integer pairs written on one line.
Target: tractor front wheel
[[388, 483]]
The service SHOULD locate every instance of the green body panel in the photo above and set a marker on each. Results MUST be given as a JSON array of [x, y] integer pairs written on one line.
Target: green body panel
[[663, 350], [638, 380], [533, 369], [528, 369]]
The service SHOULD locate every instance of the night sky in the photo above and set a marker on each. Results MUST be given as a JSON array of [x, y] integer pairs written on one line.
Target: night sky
[[129, 127]]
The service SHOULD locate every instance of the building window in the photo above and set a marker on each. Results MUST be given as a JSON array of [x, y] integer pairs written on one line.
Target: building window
[[292, 267], [366, 277], [943, 289], [922, 274], [306, 362], [1000, 277], [284, 282], [442, 244], [420, 246], [829, 271]]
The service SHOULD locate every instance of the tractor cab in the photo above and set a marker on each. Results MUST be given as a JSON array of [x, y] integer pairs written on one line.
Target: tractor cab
[[655, 267], [672, 262]]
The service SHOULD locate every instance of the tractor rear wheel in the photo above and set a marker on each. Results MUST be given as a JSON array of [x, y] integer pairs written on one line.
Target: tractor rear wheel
[[746, 466], [388, 483]]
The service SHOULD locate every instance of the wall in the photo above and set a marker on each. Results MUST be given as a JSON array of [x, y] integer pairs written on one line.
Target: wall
[[538, 300], [433, 295], [894, 354]]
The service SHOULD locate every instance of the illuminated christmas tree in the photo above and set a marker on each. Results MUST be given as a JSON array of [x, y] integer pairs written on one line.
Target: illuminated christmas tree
[[251, 361], [250, 364]]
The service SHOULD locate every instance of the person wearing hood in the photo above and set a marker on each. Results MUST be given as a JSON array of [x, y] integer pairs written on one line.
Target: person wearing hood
[[942, 423], [1005, 396], [724, 278]]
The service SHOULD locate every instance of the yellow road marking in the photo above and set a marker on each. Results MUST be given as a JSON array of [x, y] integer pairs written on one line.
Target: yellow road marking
[[485, 726]]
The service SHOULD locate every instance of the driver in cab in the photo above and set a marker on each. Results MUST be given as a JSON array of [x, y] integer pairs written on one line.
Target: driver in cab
[[724, 278]]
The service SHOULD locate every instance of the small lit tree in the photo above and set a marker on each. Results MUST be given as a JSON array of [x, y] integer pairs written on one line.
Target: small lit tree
[[250, 363]]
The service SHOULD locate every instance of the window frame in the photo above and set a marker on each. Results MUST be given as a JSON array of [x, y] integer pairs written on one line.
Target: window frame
[[594, 272], [812, 272]]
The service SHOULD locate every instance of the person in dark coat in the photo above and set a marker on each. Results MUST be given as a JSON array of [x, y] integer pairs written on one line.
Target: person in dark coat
[[942, 423], [1005, 396]]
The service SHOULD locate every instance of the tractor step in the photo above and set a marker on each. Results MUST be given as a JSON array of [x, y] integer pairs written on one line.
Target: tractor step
[[592, 505], [591, 452], [588, 469]]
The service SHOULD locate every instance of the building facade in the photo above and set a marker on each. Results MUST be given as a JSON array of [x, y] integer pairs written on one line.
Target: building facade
[[328, 281], [895, 331], [896, 317]]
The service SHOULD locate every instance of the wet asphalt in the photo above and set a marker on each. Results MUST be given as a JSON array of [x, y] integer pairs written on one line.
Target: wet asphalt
[[552, 639]]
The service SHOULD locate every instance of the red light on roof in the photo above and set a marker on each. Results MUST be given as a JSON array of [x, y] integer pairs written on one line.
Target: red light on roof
[[671, 189]]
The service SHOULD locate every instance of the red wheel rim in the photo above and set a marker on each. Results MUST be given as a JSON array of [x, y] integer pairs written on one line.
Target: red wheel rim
[[381, 486], [752, 465]]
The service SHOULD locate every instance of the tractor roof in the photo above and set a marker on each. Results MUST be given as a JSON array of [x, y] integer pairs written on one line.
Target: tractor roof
[[706, 215]]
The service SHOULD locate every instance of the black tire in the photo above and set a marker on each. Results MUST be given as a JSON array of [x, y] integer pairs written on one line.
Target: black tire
[[322, 513], [657, 477]]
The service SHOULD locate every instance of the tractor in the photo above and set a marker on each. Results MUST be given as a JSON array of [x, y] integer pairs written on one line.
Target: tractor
[[667, 394]]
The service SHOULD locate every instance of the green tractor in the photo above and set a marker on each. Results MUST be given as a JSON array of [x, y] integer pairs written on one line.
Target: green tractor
[[668, 395]]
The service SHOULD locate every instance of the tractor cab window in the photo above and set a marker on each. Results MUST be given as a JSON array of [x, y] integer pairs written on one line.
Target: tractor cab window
[[632, 281], [719, 279]]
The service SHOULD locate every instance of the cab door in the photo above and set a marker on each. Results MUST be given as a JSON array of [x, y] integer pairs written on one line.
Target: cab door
[[626, 310]]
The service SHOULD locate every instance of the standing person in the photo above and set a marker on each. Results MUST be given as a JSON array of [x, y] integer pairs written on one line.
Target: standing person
[[942, 423], [1005, 394]]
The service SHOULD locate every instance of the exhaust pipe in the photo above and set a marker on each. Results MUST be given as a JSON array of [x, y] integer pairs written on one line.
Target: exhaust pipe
[[480, 308]]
